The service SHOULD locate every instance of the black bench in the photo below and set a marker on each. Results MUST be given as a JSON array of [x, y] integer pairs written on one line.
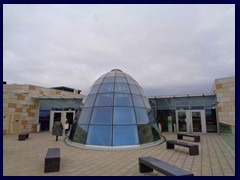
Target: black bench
[[23, 136], [52, 160], [196, 137], [193, 148], [147, 164]]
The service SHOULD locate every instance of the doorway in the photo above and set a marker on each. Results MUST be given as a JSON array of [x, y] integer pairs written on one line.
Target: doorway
[[62, 115], [191, 121]]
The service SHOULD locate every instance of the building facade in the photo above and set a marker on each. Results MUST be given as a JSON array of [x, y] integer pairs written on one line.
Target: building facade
[[25, 107], [29, 108]]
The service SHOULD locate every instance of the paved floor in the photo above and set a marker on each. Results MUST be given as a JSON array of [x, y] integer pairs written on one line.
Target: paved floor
[[26, 158]]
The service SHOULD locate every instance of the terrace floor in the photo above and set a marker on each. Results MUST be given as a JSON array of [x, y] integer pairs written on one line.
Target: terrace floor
[[26, 158]]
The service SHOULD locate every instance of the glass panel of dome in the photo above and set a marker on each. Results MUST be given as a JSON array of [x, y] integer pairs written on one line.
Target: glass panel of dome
[[142, 116], [141, 90], [94, 89], [122, 99], [98, 81], [124, 115], [90, 100], [108, 79], [99, 135], [108, 87], [121, 80], [122, 88], [131, 81], [120, 74], [125, 135], [155, 131], [145, 134], [110, 74], [145, 100], [81, 134], [104, 100], [134, 89], [137, 100], [85, 116], [102, 115], [151, 116]]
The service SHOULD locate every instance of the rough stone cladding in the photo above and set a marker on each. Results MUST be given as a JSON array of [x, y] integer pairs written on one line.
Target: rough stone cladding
[[22, 101], [225, 94]]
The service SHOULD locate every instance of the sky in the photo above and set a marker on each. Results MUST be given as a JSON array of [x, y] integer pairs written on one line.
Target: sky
[[168, 49]]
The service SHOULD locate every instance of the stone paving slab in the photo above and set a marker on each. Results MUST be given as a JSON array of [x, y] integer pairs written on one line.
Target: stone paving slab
[[26, 158]]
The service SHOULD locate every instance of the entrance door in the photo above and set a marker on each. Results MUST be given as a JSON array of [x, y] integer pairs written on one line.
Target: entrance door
[[62, 115], [14, 119], [191, 121], [197, 121], [181, 121]]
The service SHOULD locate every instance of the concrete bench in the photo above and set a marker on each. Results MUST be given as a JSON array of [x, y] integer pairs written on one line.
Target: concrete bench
[[196, 137], [147, 164], [23, 136], [193, 148], [52, 160]]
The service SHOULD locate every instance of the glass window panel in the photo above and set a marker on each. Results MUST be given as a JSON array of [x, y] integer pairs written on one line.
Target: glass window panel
[[44, 103], [108, 87], [182, 102], [120, 74], [142, 116], [122, 99], [104, 100], [125, 135], [80, 134], [122, 88], [121, 80], [102, 115], [137, 100], [85, 116], [155, 131], [134, 89], [94, 89], [145, 134], [90, 100], [124, 115], [110, 74], [151, 116], [196, 101], [98, 81], [57, 103], [166, 102], [145, 100], [108, 79], [141, 91], [131, 81], [99, 135]]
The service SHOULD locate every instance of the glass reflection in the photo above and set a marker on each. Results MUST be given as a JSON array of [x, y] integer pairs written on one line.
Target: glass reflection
[[125, 135], [85, 116], [122, 99], [102, 115], [124, 115], [104, 100], [99, 135]]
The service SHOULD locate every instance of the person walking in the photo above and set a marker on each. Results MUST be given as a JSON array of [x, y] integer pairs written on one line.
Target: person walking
[[66, 127], [57, 129]]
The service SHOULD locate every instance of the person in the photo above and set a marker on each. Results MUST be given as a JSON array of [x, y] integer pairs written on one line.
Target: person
[[57, 129], [66, 127]]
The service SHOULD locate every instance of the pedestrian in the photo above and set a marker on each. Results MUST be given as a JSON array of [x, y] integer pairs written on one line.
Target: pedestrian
[[57, 129], [66, 127]]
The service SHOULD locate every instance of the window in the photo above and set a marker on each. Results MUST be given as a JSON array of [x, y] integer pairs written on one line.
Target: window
[[124, 115]]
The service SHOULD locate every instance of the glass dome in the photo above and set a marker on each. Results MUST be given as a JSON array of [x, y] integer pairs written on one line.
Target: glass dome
[[115, 113]]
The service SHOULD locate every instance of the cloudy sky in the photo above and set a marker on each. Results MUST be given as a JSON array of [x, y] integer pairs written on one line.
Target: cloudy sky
[[168, 49]]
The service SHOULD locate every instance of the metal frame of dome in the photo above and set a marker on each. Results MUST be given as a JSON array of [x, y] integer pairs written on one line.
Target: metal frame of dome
[[115, 115]]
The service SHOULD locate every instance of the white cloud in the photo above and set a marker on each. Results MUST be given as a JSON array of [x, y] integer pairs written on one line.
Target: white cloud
[[166, 48]]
